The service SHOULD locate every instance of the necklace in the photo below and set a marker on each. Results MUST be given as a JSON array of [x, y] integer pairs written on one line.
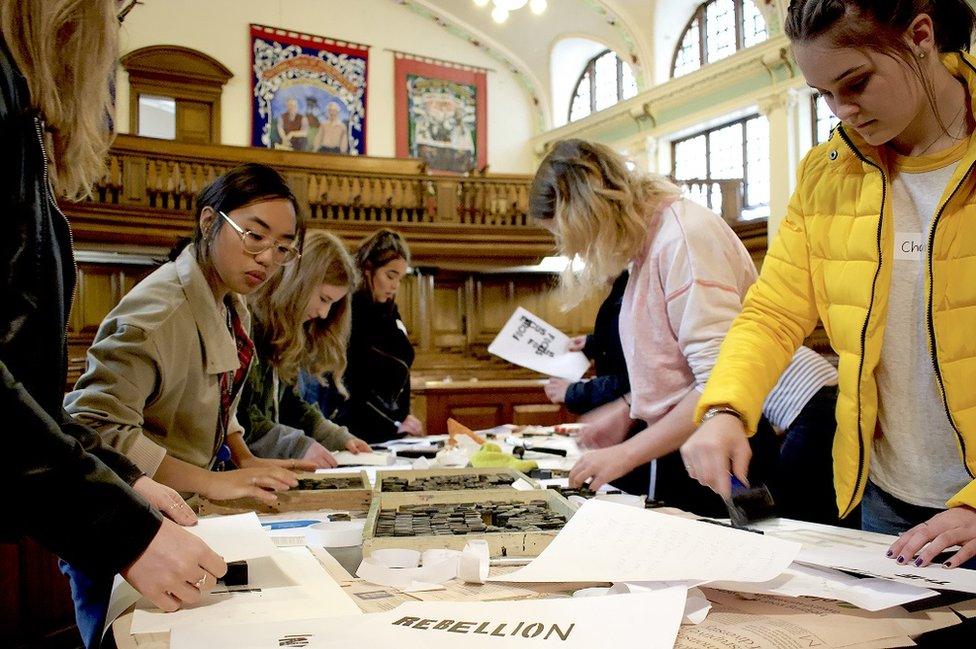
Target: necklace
[[945, 132]]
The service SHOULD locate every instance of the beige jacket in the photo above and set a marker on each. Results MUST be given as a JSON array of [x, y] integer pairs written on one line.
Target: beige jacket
[[152, 382]]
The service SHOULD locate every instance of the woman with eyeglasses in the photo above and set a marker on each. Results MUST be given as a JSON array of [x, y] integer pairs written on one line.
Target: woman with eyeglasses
[[167, 365]]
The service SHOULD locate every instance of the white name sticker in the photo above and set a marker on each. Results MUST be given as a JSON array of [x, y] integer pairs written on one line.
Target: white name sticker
[[909, 246]]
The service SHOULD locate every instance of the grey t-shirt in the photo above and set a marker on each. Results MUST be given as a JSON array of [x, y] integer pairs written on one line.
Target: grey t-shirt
[[917, 459]]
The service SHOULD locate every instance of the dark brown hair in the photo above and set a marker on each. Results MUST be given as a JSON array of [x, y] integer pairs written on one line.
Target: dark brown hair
[[879, 24], [379, 249], [243, 185]]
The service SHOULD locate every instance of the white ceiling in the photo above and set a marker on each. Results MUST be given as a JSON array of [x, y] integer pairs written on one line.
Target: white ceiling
[[625, 26]]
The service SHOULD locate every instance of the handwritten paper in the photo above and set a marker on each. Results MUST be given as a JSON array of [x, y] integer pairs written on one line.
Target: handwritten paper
[[529, 341], [606, 541], [649, 620], [234, 538], [798, 580]]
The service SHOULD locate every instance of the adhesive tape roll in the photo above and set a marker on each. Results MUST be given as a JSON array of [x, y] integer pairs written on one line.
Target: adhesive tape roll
[[474, 561], [335, 534]]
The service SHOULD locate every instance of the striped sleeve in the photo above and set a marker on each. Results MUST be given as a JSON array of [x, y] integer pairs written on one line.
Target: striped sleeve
[[803, 378]]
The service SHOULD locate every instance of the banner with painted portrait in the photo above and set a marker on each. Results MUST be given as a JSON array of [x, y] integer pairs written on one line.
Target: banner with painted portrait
[[441, 114], [308, 92]]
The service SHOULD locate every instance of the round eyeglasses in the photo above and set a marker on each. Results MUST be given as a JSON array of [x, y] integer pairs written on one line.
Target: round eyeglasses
[[255, 243]]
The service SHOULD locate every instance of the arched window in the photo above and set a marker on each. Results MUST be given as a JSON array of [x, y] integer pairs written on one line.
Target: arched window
[[605, 81], [717, 29], [823, 120]]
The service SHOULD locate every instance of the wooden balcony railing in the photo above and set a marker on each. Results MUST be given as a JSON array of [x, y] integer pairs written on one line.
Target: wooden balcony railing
[[147, 192], [723, 196]]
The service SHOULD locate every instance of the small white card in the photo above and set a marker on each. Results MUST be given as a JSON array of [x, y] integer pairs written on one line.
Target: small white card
[[529, 341], [909, 246]]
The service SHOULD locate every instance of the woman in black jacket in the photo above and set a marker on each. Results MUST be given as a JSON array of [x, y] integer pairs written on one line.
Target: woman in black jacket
[[77, 498], [380, 353]]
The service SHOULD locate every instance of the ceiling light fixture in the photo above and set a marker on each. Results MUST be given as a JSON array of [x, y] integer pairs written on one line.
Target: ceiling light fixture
[[502, 8]]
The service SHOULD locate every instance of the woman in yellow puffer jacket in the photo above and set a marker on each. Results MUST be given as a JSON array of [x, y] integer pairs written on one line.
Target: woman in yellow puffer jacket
[[879, 243]]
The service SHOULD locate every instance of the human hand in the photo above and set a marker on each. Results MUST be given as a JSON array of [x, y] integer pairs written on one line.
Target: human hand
[[600, 467], [955, 526], [175, 569], [556, 390], [356, 445], [576, 344], [718, 446], [605, 426], [411, 426], [257, 483], [320, 457], [166, 500]]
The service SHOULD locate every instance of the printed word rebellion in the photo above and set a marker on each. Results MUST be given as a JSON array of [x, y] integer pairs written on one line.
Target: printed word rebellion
[[500, 630]]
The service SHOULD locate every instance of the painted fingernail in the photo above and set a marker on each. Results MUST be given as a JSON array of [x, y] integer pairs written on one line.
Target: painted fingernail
[[900, 559], [947, 564], [918, 562], [889, 553]]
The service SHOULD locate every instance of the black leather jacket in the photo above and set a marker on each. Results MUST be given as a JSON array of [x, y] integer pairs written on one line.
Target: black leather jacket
[[64, 488]]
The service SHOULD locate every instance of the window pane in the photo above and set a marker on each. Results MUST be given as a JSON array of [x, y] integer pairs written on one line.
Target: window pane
[[753, 25], [629, 82], [825, 120], [689, 54], [756, 192], [720, 29], [580, 107], [606, 80], [725, 151], [157, 117], [689, 158]]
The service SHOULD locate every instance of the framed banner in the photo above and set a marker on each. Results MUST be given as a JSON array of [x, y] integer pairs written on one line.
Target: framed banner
[[308, 92], [441, 113]]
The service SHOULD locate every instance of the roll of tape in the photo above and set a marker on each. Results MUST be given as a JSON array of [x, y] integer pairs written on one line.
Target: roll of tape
[[473, 564], [401, 568], [335, 534]]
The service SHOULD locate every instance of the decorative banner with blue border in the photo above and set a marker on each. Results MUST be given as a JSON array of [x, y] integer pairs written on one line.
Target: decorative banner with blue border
[[308, 92]]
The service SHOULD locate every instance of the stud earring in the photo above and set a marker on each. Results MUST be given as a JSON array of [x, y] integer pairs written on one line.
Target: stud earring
[[921, 54]]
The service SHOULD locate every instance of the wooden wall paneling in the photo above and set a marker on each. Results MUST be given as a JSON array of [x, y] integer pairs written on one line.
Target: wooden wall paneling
[[448, 313], [494, 304], [194, 122], [537, 414], [408, 303]]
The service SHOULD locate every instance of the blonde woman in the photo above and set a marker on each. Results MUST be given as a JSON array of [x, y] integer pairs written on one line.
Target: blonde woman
[[76, 497], [688, 275], [300, 322]]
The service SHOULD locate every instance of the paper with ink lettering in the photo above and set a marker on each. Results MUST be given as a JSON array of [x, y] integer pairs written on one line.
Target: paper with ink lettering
[[529, 341], [606, 541], [863, 553], [290, 584], [647, 619]]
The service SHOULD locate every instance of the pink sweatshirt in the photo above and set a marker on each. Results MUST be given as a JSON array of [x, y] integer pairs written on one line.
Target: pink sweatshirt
[[683, 294]]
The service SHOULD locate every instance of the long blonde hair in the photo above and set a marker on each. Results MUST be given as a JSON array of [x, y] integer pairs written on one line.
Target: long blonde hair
[[319, 345], [601, 211], [66, 49]]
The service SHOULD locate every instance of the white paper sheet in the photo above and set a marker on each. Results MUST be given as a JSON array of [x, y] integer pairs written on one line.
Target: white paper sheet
[[234, 537], [288, 585], [649, 620], [604, 541], [806, 581], [529, 341], [875, 564], [348, 458]]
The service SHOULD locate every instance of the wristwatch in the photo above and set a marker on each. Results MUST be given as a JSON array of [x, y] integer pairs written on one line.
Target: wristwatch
[[722, 410]]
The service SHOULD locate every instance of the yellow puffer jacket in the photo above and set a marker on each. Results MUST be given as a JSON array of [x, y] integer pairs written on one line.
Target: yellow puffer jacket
[[831, 260]]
